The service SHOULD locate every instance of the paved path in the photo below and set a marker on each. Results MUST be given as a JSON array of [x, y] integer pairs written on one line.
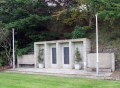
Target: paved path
[[63, 72]]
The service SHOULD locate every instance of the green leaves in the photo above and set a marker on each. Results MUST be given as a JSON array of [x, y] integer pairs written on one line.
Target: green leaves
[[26, 17], [40, 55], [78, 32], [77, 55], [108, 9], [4, 34], [25, 49], [28, 22]]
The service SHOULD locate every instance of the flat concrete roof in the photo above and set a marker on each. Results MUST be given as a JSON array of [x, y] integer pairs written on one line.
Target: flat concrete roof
[[62, 41]]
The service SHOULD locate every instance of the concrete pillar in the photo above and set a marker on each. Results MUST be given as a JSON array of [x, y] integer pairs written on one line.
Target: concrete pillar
[[113, 61], [88, 49], [19, 60], [47, 56], [59, 55], [36, 49], [84, 55], [71, 54]]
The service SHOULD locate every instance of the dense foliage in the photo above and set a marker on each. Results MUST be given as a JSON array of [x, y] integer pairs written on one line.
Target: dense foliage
[[28, 18], [5, 43], [78, 32]]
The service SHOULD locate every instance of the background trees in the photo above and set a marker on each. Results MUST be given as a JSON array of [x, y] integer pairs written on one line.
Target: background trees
[[6, 46], [29, 18]]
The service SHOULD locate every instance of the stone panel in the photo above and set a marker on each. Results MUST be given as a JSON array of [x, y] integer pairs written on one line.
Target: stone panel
[[106, 60]]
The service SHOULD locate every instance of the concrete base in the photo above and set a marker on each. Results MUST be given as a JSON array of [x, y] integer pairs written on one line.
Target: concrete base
[[62, 72], [105, 70], [100, 69]]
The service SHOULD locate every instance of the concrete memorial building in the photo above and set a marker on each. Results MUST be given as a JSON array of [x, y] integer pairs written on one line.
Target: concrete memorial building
[[61, 54]]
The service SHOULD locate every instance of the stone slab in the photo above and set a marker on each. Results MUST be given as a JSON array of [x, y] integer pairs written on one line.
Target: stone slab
[[62, 72]]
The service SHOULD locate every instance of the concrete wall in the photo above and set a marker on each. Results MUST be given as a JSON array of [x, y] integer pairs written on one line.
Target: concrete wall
[[106, 60], [25, 59], [83, 45], [79, 45], [36, 50]]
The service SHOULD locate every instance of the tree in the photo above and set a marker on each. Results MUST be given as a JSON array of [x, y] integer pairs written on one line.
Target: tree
[[77, 55], [5, 43], [73, 13], [78, 32], [40, 56], [29, 18]]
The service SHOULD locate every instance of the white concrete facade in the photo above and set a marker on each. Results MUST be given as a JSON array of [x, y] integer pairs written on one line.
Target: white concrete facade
[[25, 59], [106, 60], [83, 44]]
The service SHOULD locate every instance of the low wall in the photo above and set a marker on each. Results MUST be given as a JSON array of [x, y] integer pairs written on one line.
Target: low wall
[[25, 60], [106, 60]]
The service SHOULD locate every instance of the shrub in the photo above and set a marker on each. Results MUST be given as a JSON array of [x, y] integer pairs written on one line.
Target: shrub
[[3, 58], [87, 28], [25, 50], [68, 35], [78, 32], [114, 36], [77, 55], [40, 54], [0, 64]]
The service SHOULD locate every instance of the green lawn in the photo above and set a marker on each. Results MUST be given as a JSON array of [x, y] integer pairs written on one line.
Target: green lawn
[[16, 80]]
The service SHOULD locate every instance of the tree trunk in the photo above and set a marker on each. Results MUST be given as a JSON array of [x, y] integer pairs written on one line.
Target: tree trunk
[[90, 20], [10, 61]]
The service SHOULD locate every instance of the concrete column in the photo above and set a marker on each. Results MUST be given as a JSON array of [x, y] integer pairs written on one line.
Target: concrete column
[[19, 60], [71, 54], [84, 55], [59, 55], [36, 49], [47, 56], [88, 49], [113, 61]]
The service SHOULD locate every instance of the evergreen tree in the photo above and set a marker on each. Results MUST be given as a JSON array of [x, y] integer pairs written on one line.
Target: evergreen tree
[[29, 18]]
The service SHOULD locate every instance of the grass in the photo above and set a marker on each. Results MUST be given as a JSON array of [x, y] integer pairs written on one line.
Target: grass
[[17, 80]]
